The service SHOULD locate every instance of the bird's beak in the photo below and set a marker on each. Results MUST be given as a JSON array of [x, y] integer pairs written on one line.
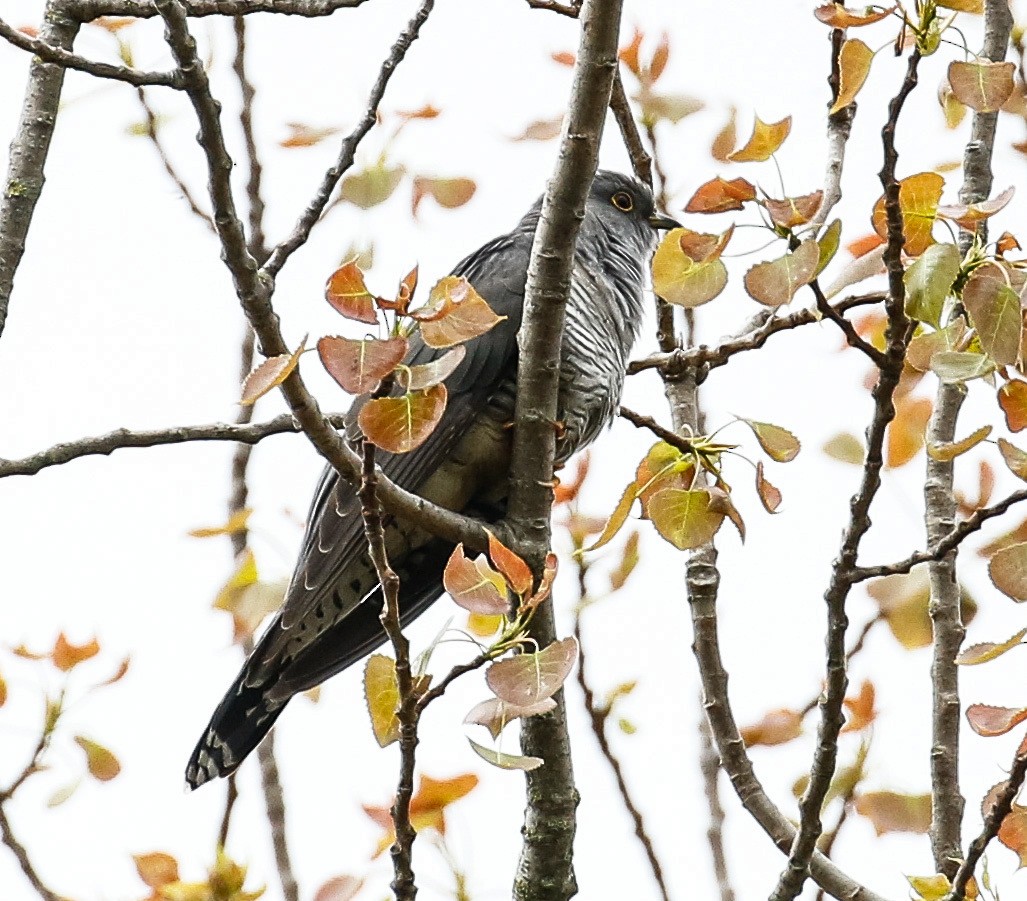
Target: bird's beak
[[663, 223]]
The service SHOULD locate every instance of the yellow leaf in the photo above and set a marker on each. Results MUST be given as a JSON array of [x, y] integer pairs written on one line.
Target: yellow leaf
[[918, 201], [685, 518], [381, 692], [764, 142], [854, 66], [236, 523], [953, 449]]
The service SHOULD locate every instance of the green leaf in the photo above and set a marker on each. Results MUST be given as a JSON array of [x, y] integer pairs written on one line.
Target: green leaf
[[928, 282], [685, 518]]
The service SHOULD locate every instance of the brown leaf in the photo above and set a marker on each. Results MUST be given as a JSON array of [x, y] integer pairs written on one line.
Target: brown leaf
[[764, 141], [474, 585], [448, 193], [1012, 398], [719, 196], [270, 374], [1008, 571], [339, 888], [359, 364], [100, 762], [982, 85], [838, 16], [893, 812], [724, 141], [776, 728], [401, 424], [775, 282], [455, 313], [526, 679], [541, 130], [769, 496], [302, 135], [794, 211], [990, 721], [348, 294], [156, 868]]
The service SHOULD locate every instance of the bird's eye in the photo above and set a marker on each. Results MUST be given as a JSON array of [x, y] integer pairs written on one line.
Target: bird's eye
[[623, 201]]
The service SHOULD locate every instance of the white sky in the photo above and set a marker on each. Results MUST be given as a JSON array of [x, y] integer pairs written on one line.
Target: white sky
[[123, 315]]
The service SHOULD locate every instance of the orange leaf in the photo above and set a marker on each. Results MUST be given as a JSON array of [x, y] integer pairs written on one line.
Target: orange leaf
[[156, 868], [565, 492], [100, 762], [776, 728], [474, 585], [270, 374], [990, 721], [437, 794], [718, 196], [526, 679], [359, 365], [400, 424], [348, 294], [724, 141], [629, 54], [769, 496], [838, 16], [455, 313], [516, 571], [449, 193], [861, 708], [1012, 398], [301, 135], [764, 142], [918, 201], [541, 130], [793, 211], [906, 432], [66, 655], [854, 61], [893, 812]]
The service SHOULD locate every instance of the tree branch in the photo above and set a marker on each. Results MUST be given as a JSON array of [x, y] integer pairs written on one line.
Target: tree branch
[[545, 870], [120, 438], [87, 10], [29, 149], [678, 360], [947, 801], [899, 332], [839, 127], [21, 854], [62, 57], [709, 767]]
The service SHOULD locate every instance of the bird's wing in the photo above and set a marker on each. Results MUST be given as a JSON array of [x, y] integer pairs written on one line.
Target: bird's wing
[[335, 536]]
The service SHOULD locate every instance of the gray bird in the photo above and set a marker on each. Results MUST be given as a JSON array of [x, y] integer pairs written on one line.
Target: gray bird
[[330, 616]]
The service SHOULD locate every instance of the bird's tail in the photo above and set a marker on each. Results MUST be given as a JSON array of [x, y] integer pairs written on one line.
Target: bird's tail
[[240, 722]]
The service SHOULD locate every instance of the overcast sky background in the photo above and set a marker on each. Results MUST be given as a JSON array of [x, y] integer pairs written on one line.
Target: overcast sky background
[[123, 315]]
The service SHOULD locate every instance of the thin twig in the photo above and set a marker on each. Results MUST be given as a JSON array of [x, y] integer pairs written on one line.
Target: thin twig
[[848, 329], [68, 60], [641, 161], [403, 884], [992, 823], [254, 187], [945, 544], [153, 134], [121, 438], [598, 717], [899, 332], [647, 422], [678, 360], [709, 766], [348, 149], [21, 854]]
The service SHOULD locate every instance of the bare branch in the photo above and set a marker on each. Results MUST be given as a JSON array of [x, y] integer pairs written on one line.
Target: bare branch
[[87, 10], [947, 801], [709, 766], [29, 150], [254, 188], [21, 854], [403, 884], [678, 360], [153, 134], [825, 755], [992, 823], [641, 161], [274, 803], [68, 60], [848, 329], [119, 438], [347, 152]]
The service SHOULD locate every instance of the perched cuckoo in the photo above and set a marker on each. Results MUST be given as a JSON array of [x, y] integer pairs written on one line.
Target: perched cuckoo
[[330, 616]]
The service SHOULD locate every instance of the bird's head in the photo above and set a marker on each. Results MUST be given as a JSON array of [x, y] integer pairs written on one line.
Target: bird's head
[[624, 206]]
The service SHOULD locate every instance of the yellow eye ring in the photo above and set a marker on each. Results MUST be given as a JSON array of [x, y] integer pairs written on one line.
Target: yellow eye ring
[[623, 201]]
